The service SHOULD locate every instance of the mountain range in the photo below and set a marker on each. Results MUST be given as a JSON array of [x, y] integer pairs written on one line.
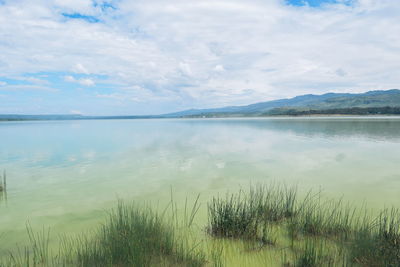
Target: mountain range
[[325, 102], [369, 103]]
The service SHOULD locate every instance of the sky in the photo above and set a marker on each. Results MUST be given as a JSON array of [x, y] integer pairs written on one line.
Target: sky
[[124, 57]]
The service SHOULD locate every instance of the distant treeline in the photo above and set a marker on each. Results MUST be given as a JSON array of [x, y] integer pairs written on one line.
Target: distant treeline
[[298, 112], [337, 111], [13, 117], [286, 111]]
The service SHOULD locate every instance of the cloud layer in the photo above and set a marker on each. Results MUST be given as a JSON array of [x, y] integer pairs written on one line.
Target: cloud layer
[[148, 57]]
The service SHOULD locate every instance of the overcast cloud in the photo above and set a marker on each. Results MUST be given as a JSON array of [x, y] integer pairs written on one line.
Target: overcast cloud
[[158, 56]]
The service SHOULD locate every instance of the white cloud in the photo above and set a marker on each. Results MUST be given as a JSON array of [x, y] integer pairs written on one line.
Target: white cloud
[[36, 80], [206, 53], [185, 69], [79, 68], [3, 83], [83, 6], [83, 81], [27, 87], [87, 82], [219, 68], [69, 78], [110, 96], [121, 97]]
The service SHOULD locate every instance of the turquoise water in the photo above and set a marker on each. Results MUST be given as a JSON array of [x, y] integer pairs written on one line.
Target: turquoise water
[[64, 174]]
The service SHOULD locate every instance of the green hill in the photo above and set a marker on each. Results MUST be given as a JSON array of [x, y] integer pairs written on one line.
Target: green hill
[[331, 103]]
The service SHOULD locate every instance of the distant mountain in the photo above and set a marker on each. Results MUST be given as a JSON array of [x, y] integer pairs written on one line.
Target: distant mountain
[[369, 103], [330, 101]]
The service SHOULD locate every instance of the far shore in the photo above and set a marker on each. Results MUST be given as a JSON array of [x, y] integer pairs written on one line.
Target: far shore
[[205, 117]]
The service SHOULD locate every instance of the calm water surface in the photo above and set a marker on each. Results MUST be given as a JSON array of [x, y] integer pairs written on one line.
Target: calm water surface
[[63, 174]]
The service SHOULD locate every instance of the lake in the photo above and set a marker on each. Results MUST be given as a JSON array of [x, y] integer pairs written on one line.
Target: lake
[[64, 174]]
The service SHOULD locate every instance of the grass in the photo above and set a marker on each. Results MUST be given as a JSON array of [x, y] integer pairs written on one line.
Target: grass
[[239, 218], [307, 231], [311, 256], [132, 236], [3, 182], [352, 239], [378, 243], [136, 237], [243, 215], [250, 216], [234, 217], [329, 219], [275, 202], [3, 186], [35, 254]]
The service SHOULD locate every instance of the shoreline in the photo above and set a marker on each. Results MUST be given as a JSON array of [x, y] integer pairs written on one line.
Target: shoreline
[[383, 116]]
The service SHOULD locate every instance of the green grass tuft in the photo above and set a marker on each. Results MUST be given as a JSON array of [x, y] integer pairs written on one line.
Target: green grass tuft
[[136, 237], [378, 243]]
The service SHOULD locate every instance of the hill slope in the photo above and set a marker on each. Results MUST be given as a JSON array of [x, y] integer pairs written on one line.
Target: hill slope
[[330, 101]]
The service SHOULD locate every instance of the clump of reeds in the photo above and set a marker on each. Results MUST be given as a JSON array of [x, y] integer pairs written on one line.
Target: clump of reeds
[[240, 216], [35, 254], [326, 219], [217, 257], [136, 237], [235, 216], [3, 186], [360, 240], [275, 202], [251, 215], [377, 243], [311, 256], [132, 236], [3, 183], [314, 253]]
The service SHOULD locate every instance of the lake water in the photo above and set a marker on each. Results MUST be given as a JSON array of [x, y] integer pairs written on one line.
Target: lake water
[[64, 174]]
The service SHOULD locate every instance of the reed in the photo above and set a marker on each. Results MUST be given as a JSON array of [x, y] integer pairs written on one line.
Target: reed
[[377, 243], [321, 232], [318, 253], [327, 219], [136, 237], [235, 217], [3, 182], [217, 256], [131, 236], [353, 238], [37, 253], [311, 256], [275, 202], [189, 217], [250, 215]]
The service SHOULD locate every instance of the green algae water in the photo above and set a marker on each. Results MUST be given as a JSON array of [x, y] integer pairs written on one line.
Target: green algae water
[[65, 174]]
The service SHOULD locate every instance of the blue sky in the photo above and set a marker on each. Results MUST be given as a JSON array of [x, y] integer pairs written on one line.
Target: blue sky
[[317, 3], [121, 57], [90, 19]]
